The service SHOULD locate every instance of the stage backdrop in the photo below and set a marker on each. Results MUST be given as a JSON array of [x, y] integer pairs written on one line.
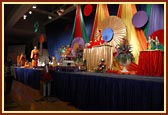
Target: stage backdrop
[[59, 32]]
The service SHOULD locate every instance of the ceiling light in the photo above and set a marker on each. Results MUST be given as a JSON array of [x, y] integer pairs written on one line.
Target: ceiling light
[[34, 6], [49, 17], [24, 17], [60, 11], [30, 12]]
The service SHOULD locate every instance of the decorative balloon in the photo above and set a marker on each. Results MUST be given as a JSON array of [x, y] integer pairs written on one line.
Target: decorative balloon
[[107, 34], [41, 39], [36, 26], [140, 19], [88, 9]]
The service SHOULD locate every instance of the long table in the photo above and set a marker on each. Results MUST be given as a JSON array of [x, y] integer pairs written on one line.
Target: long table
[[101, 91], [151, 63], [29, 76]]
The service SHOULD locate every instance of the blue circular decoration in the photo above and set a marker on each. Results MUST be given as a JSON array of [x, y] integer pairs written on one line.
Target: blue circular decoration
[[107, 34]]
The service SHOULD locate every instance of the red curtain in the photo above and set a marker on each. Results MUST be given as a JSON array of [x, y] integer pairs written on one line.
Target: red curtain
[[78, 32]]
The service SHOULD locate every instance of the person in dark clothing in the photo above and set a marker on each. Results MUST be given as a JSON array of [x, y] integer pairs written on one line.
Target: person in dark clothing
[[8, 76]]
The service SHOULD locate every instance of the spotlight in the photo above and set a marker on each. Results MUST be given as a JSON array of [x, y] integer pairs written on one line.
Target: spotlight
[[24, 17], [60, 11], [49, 17], [34, 6], [30, 12]]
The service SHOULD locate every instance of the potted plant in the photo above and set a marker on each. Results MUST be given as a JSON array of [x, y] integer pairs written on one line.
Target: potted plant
[[124, 54]]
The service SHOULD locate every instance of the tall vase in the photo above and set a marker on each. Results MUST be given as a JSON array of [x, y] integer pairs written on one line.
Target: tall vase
[[124, 65]]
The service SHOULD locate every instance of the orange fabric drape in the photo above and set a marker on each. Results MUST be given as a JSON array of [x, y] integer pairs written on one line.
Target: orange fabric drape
[[136, 37], [101, 13], [140, 33]]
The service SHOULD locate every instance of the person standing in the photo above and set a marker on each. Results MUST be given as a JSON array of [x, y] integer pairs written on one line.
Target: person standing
[[22, 59], [34, 56], [46, 80], [8, 76]]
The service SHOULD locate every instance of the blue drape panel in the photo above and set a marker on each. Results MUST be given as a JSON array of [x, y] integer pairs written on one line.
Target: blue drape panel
[[96, 91], [30, 77], [101, 91], [156, 20]]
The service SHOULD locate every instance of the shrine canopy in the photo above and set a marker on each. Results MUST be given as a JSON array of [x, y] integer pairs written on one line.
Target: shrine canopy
[[79, 30]]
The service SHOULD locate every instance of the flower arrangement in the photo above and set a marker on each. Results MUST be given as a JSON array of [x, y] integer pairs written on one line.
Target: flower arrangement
[[101, 66], [124, 52]]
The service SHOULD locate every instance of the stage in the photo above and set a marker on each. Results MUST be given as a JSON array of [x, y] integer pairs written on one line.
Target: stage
[[101, 91]]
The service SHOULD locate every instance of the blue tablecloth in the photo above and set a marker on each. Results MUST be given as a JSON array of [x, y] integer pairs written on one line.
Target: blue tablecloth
[[99, 91], [29, 76]]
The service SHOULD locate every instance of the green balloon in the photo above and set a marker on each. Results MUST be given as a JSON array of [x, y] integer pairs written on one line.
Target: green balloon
[[36, 26]]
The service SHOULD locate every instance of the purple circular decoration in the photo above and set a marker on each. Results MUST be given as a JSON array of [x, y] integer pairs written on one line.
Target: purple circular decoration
[[78, 40], [140, 19]]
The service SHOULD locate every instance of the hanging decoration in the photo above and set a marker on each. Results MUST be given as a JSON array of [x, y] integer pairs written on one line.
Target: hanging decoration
[[41, 40], [101, 13], [87, 9], [79, 30], [140, 19], [36, 26], [107, 34]]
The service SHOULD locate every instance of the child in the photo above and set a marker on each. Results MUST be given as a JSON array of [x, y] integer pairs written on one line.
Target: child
[[46, 78]]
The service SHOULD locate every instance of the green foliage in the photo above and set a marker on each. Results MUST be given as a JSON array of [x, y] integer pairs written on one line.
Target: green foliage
[[124, 53]]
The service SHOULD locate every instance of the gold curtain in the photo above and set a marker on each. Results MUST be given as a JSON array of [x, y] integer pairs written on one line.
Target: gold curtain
[[136, 37], [95, 54]]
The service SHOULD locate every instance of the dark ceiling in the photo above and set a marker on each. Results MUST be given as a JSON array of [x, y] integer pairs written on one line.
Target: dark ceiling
[[18, 30]]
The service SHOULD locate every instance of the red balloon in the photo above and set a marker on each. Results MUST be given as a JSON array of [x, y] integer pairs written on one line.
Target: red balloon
[[88, 9], [41, 39]]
